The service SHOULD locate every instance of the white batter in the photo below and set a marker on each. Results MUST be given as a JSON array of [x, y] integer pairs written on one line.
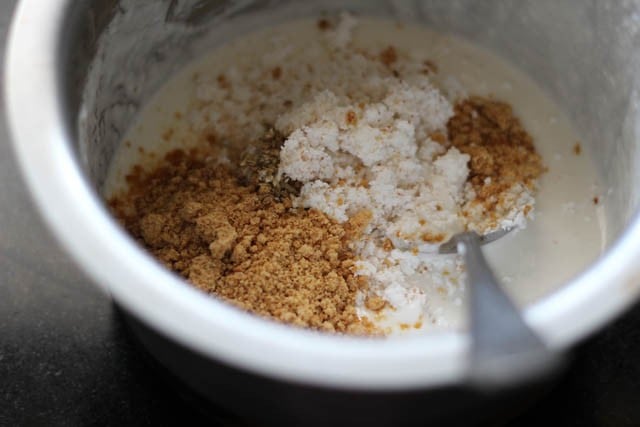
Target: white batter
[[568, 231]]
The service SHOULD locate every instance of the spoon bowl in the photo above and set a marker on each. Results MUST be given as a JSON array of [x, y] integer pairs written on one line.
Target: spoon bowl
[[451, 246]]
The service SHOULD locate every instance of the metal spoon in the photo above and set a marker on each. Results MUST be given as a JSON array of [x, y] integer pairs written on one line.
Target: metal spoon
[[504, 350]]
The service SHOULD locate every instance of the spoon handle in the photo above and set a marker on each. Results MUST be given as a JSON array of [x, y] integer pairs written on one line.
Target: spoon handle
[[504, 350]]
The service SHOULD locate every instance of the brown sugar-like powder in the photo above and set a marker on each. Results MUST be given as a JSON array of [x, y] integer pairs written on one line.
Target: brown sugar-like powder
[[245, 245], [502, 152]]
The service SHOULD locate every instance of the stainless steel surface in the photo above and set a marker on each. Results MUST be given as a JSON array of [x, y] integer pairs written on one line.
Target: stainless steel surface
[[586, 57], [504, 349]]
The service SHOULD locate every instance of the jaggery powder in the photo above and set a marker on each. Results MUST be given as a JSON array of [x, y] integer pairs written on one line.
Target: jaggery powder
[[240, 242], [501, 150]]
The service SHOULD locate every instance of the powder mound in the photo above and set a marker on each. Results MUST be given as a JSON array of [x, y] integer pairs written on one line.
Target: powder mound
[[425, 170], [504, 166], [352, 164], [245, 245], [353, 156]]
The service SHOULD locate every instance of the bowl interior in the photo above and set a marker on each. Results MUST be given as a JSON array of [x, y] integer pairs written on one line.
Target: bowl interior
[[117, 54]]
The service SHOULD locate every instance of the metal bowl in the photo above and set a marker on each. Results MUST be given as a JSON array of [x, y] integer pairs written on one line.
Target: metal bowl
[[79, 71]]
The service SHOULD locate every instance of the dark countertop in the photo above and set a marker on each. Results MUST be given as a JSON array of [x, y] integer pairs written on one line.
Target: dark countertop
[[66, 357]]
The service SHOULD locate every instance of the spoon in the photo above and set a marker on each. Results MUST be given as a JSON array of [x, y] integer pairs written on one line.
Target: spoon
[[504, 349]]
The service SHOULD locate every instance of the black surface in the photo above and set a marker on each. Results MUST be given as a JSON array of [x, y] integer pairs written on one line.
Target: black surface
[[80, 367], [66, 357]]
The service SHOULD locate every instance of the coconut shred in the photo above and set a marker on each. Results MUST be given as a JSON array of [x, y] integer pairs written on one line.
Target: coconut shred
[[371, 139]]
